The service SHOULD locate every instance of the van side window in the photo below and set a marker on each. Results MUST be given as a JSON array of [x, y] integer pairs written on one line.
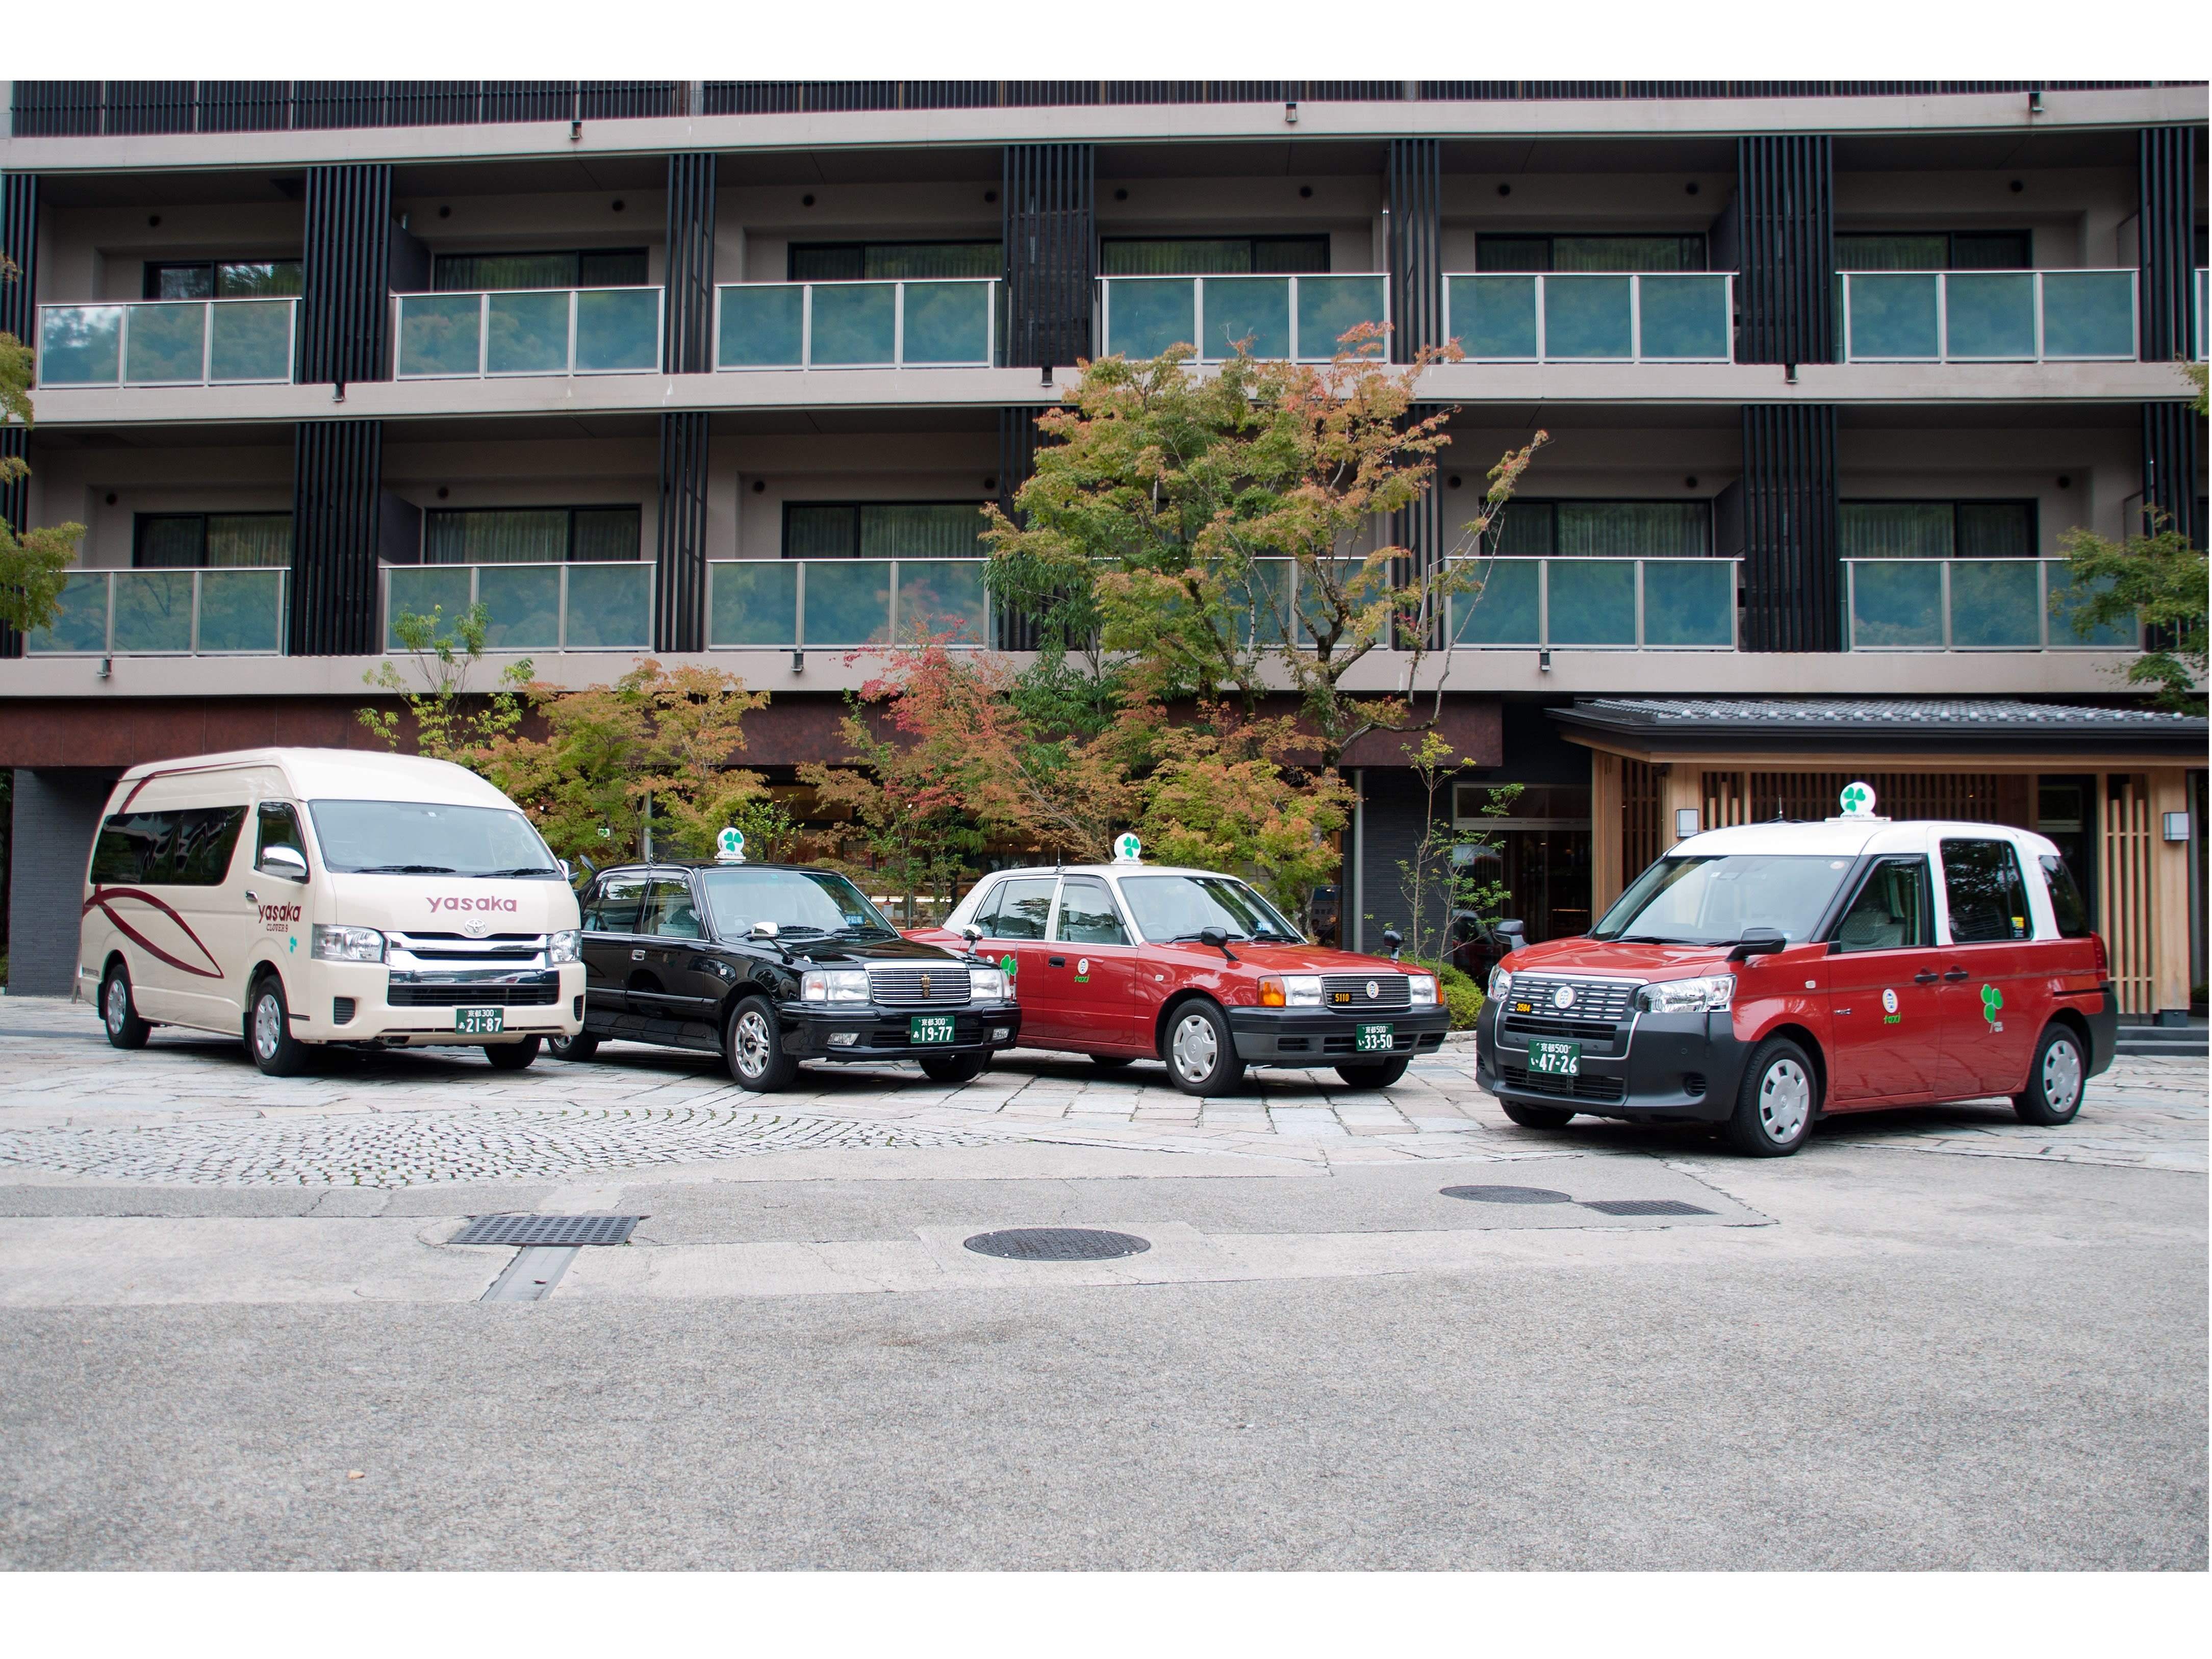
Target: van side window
[[1988, 900], [2067, 908], [1023, 905], [187, 848], [1892, 911], [279, 826], [613, 908], [670, 912]]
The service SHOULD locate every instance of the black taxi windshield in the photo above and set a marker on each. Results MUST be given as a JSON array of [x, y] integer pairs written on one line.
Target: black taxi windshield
[[1172, 908], [800, 902], [428, 838], [1717, 900]]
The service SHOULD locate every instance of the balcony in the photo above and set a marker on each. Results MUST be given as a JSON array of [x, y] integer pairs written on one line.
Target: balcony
[[550, 330], [1967, 604], [530, 607], [181, 613], [1989, 316], [1638, 605], [791, 604], [947, 324], [167, 342], [1585, 317], [1298, 317]]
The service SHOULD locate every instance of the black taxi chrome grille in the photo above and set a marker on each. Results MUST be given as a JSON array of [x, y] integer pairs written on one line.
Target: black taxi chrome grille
[[912, 988], [1350, 991]]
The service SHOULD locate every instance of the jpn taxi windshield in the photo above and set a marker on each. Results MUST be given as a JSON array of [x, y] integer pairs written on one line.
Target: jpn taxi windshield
[[799, 902], [1168, 909], [428, 838], [1714, 901]]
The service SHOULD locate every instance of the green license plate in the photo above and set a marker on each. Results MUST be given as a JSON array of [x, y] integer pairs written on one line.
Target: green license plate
[[1375, 1039], [929, 1028], [1556, 1059], [479, 1022]]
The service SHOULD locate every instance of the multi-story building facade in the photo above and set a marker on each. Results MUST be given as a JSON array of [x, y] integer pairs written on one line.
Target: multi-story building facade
[[721, 372]]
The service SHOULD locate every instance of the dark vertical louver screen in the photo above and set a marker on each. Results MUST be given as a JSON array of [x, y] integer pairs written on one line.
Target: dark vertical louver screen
[[1416, 282], [1419, 529], [151, 105], [344, 320], [2172, 465], [2166, 196], [19, 241], [15, 509], [679, 622], [1018, 443], [691, 265], [336, 470], [1049, 199], [1791, 579], [1785, 209]]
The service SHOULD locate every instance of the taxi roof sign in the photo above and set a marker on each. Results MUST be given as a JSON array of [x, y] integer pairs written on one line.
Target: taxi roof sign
[[1857, 802], [1127, 849], [730, 846]]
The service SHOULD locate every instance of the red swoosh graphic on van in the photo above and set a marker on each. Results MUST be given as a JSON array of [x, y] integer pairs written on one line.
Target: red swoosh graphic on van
[[101, 895]]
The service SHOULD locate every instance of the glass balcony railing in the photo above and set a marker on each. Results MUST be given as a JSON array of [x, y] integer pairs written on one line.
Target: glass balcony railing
[[530, 607], [1591, 316], [167, 342], [544, 331], [951, 323], [181, 613], [1988, 316], [1968, 605], [1300, 318], [1644, 605], [790, 604]]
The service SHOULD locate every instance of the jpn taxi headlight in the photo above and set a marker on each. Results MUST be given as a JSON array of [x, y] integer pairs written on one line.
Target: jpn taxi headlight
[[834, 985], [1501, 985], [347, 943], [987, 984], [1421, 990], [563, 946], [1688, 996]]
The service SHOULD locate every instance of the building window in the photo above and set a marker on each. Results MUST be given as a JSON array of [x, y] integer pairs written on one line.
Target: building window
[[531, 535], [1938, 530], [592, 267], [1213, 256], [222, 279], [1606, 530], [891, 262], [1935, 249], [191, 540], [883, 529], [1615, 253]]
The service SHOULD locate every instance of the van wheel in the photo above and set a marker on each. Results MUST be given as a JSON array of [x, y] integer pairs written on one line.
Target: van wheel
[[1379, 1076], [954, 1068], [1536, 1117], [1201, 1055], [753, 1047], [2055, 1081], [577, 1048], [119, 1013], [1774, 1106], [512, 1056], [269, 1037]]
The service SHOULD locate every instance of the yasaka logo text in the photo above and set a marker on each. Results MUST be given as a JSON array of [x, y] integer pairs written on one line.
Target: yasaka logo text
[[277, 916], [486, 902]]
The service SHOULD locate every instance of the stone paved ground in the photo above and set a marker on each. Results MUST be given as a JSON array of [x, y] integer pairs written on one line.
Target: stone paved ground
[[191, 1109]]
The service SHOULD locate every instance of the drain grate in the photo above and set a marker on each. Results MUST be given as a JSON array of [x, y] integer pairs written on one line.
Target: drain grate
[[1509, 1194], [527, 1230], [1643, 1206], [1056, 1244]]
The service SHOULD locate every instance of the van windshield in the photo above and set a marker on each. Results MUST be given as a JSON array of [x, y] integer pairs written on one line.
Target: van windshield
[[423, 838], [1713, 901]]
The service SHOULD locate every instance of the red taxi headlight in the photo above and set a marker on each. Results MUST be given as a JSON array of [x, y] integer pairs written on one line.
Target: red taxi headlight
[[1271, 993]]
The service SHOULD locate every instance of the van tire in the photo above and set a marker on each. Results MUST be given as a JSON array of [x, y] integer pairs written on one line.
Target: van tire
[[1776, 1103], [512, 1056], [575, 1049], [752, 1047], [2056, 1081], [269, 1037], [119, 1010], [1536, 1117]]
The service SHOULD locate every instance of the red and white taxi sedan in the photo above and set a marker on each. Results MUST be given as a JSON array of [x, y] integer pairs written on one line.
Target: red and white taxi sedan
[[1128, 961]]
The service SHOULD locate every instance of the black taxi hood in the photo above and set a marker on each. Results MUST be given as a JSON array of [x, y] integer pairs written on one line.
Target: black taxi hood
[[825, 951]]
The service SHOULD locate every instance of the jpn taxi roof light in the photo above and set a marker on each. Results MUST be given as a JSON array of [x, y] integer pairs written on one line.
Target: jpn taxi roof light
[[1857, 803]]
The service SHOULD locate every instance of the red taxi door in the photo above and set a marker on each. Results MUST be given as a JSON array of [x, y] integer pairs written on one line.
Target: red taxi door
[[1883, 981], [1993, 1005], [1013, 924], [1088, 995]]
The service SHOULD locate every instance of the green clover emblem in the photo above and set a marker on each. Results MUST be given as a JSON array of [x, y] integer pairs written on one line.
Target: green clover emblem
[[1992, 1000], [1007, 962], [1857, 798]]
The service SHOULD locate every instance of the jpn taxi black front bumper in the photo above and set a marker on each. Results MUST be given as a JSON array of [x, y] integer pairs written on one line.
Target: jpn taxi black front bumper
[[1652, 1067], [1296, 1037]]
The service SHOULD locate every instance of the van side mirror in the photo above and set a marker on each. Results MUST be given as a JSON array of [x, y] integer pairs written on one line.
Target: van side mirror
[[284, 861], [1758, 942]]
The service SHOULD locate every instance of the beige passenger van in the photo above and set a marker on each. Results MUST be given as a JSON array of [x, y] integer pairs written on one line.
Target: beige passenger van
[[305, 896]]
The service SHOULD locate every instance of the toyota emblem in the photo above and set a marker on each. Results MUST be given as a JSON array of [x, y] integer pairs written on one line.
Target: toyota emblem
[[925, 987], [1373, 990], [476, 929], [1564, 997]]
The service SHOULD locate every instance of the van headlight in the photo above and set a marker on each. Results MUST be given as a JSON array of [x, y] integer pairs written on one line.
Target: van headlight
[[987, 984], [1687, 996], [1421, 990], [1501, 985], [834, 985], [563, 946], [348, 944]]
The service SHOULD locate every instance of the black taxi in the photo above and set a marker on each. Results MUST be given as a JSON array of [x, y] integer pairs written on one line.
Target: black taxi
[[769, 964]]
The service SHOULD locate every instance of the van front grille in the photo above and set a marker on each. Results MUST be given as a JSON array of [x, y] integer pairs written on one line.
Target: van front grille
[[474, 996]]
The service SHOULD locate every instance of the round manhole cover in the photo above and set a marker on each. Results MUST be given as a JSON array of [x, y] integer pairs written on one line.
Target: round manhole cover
[[1057, 1244], [1509, 1194]]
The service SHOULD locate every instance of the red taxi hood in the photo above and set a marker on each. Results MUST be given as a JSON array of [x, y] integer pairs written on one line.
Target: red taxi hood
[[1259, 958], [1590, 956]]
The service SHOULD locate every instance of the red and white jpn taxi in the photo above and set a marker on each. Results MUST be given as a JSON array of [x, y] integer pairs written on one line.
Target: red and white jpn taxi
[[1129, 961], [1763, 977]]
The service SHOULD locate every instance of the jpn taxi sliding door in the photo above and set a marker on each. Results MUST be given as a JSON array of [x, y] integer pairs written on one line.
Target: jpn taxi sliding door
[[1882, 985], [1993, 1006]]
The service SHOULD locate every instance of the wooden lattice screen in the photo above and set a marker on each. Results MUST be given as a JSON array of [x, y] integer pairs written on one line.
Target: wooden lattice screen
[[1639, 819], [1965, 797], [2124, 871]]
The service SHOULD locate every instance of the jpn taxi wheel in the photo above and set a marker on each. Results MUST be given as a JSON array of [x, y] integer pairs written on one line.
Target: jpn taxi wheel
[[512, 1056], [1774, 1106], [1535, 1117], [119, 1013], [2055, 1081], [753, 1047], [1201, 1055], [269, 1037]]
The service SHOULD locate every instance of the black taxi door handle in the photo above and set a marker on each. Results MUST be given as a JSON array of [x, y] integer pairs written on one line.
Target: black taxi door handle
[[1951, 976], [1057, 962], [1924, 977]]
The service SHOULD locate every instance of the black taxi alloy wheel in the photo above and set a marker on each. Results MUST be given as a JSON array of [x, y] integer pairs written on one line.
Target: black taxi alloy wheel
[[2055, 1080], [119, 1013], [269, 1037], [1775, 1105], [512, 1056], [577, 1048], [752, 1044], [1200, 1053]]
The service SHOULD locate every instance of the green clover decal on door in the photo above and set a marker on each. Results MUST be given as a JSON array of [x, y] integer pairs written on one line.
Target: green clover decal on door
[[1992, 1000]]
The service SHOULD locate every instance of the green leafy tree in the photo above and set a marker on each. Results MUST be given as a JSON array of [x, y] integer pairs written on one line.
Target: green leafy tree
[[450, 724], [1453, 871], [2159, 577], [33, 563]]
